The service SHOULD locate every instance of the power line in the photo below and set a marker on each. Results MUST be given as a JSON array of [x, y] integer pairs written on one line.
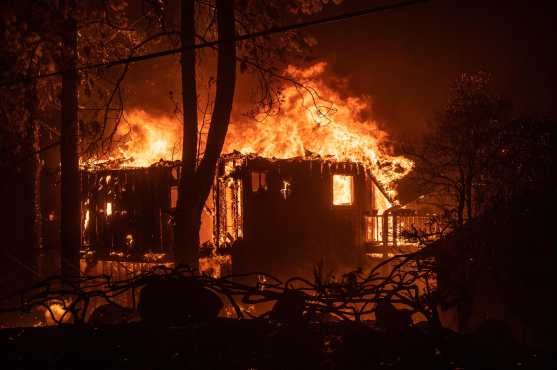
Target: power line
[[267, 32]]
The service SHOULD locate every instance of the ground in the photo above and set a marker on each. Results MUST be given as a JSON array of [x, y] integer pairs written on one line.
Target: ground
[[259, 344]]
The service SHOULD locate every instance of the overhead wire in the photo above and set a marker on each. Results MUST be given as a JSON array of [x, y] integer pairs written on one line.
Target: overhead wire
[[267, 32]]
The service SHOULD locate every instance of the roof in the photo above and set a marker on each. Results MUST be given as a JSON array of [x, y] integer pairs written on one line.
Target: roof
[[310, 157]]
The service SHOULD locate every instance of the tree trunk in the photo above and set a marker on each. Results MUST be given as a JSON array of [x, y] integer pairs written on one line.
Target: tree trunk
[[226, 83], [31, 186], [196, 181], [70, 217], [186, 231]]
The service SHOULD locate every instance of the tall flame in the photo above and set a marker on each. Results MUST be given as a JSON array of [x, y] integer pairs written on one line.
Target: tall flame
[[313, 120], [316, 119], [143, 139]]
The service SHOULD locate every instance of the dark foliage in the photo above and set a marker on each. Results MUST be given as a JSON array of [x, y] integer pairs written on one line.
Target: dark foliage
[[245, 344], [180, 329], [388, 317], [176, 301]]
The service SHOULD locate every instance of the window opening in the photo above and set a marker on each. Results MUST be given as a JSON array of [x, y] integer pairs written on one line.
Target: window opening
[[343, 189]]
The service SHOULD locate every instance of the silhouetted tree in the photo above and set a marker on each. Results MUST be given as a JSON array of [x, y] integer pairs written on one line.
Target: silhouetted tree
[[70, 216], [41, 37], [196, 180], [23, 107], [261, 56], [462, 147]]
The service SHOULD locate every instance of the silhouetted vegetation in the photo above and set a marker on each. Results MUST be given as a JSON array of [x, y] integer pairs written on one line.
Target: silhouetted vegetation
[[310, 326]]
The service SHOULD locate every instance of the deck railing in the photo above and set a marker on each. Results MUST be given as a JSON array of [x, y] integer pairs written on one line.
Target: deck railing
[[395, 230]]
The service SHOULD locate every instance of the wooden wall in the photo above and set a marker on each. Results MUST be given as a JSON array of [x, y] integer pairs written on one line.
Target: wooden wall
[[289, 235], [140, 211]]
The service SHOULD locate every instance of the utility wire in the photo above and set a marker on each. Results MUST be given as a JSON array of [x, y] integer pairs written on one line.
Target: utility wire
[[270, 31]]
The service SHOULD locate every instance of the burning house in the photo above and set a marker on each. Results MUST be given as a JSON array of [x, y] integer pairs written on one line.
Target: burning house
[[126, 218], [309, 185], [281, 216], [285, 216]]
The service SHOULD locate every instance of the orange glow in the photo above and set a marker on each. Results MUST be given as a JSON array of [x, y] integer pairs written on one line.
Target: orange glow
[[129, 241], [143, 139], [86, 221], [313, 120], [108, 208], [154, 257], [57, 312], [285, 191], [214, 266], [375, 255], [319, 121], [343, 188]]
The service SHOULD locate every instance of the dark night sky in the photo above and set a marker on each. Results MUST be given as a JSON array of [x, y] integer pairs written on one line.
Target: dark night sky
[[406, 59]]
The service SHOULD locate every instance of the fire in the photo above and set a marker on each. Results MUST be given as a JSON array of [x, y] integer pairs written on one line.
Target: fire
[[143, 139], [57, 312], [285, 191], [313, 120], [317, 120], [214, 266], [86, 221], [342, 190]]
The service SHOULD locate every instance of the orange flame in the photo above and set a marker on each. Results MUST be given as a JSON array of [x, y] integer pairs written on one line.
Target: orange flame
[[57, 312], [342, 190], [315, 119], [143, 139]]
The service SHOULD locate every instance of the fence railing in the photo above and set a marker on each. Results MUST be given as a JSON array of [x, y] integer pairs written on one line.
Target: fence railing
[[392, 229]]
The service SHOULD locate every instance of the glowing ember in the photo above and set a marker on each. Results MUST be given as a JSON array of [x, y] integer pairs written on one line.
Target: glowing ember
[[342, 190], [56, 313], [318, 120], [285, 191], [86, 221], [154, 257], [108, 208], [129, 241], [214, 266]]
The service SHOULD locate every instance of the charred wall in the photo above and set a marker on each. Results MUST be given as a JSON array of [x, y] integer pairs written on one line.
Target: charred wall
[[278, 216], [290, 223], [126, 213]]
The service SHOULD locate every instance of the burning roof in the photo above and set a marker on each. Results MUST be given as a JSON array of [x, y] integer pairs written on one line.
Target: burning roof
[[314, 121], [238, 159]]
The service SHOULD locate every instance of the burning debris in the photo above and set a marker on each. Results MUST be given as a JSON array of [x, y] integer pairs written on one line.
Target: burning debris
[[127, 213]]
